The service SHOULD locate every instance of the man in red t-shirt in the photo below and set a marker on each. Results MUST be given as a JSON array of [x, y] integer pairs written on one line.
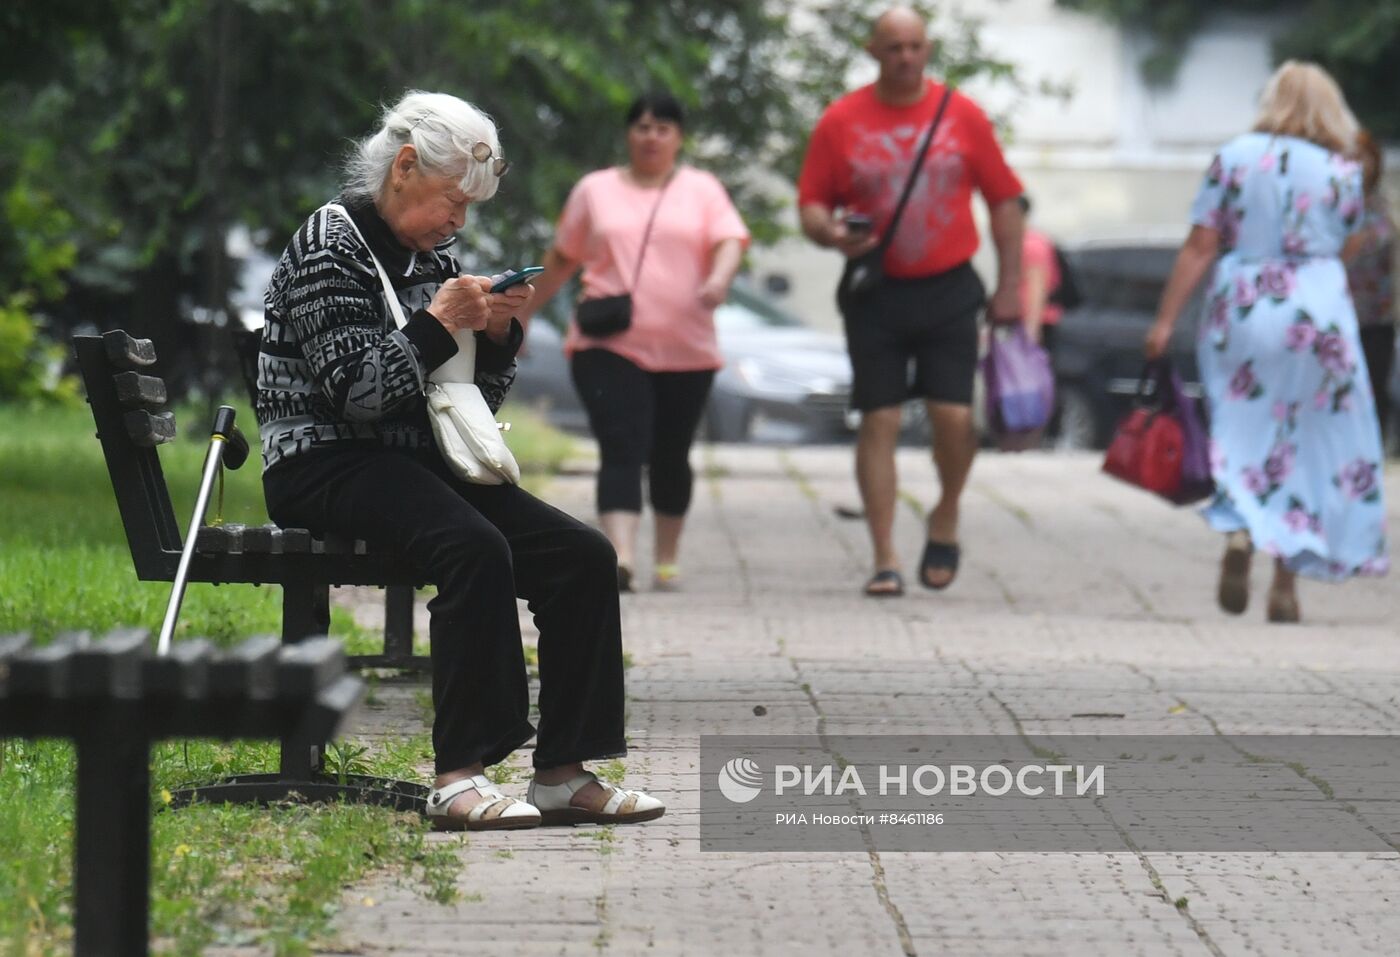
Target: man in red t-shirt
[[924, 312]]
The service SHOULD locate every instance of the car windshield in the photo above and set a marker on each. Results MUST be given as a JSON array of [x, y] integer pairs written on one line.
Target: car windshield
[[746, 311]]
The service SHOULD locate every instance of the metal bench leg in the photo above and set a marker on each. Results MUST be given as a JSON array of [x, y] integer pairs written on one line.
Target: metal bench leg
[[112, 859], [398, 621], [305, 611], [398, 635]]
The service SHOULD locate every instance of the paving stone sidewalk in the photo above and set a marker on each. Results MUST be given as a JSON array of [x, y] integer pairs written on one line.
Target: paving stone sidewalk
[[1078, 596]]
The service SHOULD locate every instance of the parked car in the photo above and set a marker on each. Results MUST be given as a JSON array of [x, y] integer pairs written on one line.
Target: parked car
[[782, 380], [778, 372], [1098, 354]]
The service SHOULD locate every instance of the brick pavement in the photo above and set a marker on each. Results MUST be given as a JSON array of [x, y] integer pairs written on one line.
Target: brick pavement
[[1077, 596]]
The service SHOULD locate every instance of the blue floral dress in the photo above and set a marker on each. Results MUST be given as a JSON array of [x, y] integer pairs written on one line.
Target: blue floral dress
[[1295, 449]]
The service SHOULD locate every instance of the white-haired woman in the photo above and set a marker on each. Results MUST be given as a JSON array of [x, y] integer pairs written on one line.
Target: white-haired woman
[[1296, 455], [347, 449]]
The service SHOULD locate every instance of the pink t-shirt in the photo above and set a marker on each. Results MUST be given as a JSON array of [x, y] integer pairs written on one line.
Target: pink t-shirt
[[602, 226], [1037, 250]]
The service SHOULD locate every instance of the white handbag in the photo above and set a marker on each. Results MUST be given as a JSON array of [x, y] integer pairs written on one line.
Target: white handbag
[[468, 435]]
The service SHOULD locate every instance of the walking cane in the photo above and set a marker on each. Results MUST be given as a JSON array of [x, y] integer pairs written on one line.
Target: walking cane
[[227, 446]]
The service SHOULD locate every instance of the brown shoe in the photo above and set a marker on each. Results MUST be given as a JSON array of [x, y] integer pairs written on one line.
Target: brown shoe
[[1283, 608], [1233, 591]]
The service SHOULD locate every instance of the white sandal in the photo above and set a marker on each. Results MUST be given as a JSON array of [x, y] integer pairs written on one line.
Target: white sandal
[[495, 812], [622, 807]]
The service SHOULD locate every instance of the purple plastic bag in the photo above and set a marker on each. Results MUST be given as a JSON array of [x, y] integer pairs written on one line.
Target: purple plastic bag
[[1196, 482], [1020, 385]]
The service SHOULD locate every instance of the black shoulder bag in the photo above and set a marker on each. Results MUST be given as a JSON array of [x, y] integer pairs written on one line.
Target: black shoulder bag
[[609, 315], [865, 272]]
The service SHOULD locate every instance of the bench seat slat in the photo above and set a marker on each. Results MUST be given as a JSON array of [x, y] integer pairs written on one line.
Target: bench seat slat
[[224, 539], [45, 671], [183, 673], [322, 719], [247, 670], [110, 668], [11, 645], [308, 666], [261, 539], [296, 541]]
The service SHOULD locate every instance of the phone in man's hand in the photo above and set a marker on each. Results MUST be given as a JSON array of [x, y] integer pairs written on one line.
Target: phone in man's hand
[[858, 224], [514, 277]]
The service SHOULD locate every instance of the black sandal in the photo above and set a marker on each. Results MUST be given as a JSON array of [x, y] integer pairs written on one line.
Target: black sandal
[[939, 556], [887, 577]]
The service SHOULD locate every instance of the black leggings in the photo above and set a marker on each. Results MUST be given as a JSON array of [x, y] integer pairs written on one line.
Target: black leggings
[[1378, 344], [482, 545], [641, 418]]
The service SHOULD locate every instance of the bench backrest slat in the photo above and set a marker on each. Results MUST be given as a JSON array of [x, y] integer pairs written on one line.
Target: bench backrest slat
[[137, 480]]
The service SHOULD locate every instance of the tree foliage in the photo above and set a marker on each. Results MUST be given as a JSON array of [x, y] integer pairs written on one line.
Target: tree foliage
[[1359, 43], [134, 134]]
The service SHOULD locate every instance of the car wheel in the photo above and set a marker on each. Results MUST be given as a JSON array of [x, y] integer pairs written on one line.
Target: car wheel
[[1078, 427], [727, 422]]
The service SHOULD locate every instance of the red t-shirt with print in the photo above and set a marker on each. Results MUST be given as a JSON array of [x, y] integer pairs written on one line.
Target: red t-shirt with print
[[859, 159]]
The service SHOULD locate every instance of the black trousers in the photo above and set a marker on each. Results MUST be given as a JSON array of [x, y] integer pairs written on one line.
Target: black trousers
[[1378, 344], [482, 545], [641, 419]]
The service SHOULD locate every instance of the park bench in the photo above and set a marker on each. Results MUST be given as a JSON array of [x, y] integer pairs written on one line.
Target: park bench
[[113, 698], [128, 407]]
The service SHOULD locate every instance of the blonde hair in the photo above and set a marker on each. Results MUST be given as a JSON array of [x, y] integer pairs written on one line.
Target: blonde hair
[[442, 129], [1302, 100]]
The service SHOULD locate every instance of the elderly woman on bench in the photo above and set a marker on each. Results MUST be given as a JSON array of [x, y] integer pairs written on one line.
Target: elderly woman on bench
[[347, 449]]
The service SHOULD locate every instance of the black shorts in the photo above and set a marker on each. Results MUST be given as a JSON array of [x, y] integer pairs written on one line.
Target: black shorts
[[929, 324]]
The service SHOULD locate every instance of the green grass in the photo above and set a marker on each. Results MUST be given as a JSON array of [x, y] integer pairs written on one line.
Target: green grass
[[540, 449], [64, 562], [220, 875]]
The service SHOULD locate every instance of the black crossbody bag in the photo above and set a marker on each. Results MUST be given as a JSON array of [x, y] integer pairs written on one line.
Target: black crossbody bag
[[865, 272], [609, 315]]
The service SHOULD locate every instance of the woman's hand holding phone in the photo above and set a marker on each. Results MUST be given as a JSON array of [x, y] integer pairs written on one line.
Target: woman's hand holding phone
[[514, 277], [508, 294], [462, 303]]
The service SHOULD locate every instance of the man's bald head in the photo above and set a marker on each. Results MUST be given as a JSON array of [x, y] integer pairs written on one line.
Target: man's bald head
[[899, 42], [898, 21]]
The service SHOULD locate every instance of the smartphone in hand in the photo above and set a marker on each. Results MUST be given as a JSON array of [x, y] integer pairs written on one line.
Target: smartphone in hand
[[858, 224], [514, 277]]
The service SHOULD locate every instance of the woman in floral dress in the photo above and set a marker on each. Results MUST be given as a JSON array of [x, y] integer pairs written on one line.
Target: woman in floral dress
[[1295, 450]]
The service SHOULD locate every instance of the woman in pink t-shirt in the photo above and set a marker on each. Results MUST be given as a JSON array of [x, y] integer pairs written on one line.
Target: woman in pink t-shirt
[[668, 235], [1040, 279]]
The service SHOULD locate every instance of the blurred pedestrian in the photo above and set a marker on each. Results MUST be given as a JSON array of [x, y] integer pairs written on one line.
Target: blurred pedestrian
[[1371, 276], [667, 235], [924, 310], [1041, 281], [1295, 450], [347, 449]]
